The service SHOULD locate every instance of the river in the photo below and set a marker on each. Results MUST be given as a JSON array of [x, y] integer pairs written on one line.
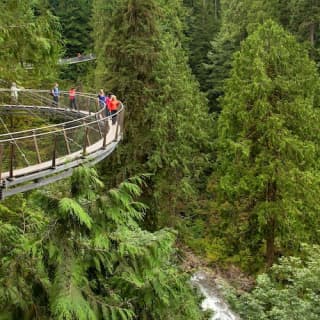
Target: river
[[212, 299]]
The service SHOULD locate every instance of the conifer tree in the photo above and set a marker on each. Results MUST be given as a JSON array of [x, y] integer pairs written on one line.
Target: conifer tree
[[75, 20], [29, 35], [268, 149], [75, 252], [203, 22], [305, 15], [238, 19], [166, 115], [74, 17], [289, 291]]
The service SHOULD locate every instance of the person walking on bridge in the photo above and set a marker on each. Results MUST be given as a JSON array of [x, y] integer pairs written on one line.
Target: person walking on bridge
[[113, 107], [101, 99], [14, 93], [108, 99], [55, 94], [72, 98]]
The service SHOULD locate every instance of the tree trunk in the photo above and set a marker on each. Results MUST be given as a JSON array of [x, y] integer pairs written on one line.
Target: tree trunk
[[216, 9], [271, 225], [270, 251], [312, 32]]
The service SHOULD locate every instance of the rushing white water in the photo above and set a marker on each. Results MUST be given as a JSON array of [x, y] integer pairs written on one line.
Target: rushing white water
[[212, 299]]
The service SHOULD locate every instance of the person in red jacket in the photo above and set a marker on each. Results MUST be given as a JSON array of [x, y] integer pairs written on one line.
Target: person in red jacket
[[72, 98], [113, 107]]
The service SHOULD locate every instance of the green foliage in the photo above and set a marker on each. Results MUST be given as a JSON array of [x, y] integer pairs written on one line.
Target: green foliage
[[267, 175], [203, 22], [74, 17], [29, 34], [238, 19], [290, 291], [304, 17], [76, 29], [167, 125], [87, 258]]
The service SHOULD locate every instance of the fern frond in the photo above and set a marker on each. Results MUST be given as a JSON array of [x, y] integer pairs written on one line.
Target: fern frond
[[70, 208]]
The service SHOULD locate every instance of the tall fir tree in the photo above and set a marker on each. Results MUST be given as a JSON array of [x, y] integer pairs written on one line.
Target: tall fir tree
[[238, 19], [267, 174], [166, 121]]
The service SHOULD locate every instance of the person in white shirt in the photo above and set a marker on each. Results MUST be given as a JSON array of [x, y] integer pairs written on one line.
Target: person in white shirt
[[14, 93]]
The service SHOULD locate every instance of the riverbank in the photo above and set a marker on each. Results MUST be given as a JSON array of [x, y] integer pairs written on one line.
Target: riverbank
[[211, 281], [232, 275]]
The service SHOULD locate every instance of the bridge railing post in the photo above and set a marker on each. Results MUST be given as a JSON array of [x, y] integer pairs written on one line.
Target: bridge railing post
[[36, 146], [66, 140], [106, 130], [11, 164], [99, 125], [120, 117], [122, 121], [54, 152], [95, 107], [85, 141], [1, 157], [89, 105]]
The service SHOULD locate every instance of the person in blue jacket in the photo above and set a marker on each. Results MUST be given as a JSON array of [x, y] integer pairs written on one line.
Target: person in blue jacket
[[55, 94]]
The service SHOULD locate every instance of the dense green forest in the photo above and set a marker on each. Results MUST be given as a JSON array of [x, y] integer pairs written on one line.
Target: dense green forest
[[220, 156]]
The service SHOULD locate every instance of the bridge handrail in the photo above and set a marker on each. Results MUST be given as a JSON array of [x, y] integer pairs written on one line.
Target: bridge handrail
[[63, 124], [86, 124], [82, 58]]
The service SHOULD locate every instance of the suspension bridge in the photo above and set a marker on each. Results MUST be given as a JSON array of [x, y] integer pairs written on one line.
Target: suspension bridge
[[67, 61], [65, 139], [78, 59]]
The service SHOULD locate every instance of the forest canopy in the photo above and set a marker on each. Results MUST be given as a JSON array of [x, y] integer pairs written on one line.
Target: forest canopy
[[219, 156]]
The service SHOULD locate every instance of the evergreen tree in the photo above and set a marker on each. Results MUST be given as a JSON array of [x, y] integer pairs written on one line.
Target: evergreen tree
[[78, 253], [239, 18], [289, 291], [29, 35], [74, 17], [267, 174], [102, 13], [305, 15], [203, 23], [166, 117]]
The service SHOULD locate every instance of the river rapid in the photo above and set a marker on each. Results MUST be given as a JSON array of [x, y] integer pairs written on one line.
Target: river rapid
[[212, 299]]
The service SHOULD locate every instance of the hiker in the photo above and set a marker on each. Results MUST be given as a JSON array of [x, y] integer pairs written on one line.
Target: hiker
[[101, 99], [55, 94], [14, 93], [108, 99], [114, 103], [72, 98]]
